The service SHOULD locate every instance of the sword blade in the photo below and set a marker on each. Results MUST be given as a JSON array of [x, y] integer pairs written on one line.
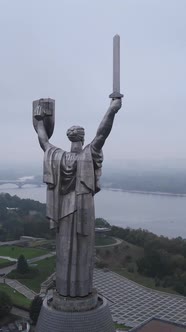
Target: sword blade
[[116, 63], [116, 68]]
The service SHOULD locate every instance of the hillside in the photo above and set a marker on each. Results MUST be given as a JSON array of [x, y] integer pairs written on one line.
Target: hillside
[[22, 217]]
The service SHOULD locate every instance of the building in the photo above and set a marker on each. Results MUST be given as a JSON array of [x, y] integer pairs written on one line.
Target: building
[[18, 325], [159, 325]]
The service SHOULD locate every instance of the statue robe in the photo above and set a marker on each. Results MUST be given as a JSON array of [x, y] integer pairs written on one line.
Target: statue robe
[[72, 180]]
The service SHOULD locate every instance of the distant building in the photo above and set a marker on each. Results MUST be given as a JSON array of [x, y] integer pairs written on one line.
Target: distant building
[[11, 209], [102, 231], [33, 213], [159, 325], [30, 241], [18, 325], [30, 238]]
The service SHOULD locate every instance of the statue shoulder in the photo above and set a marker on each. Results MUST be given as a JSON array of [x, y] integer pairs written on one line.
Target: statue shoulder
[[53, 148], [53, 153]]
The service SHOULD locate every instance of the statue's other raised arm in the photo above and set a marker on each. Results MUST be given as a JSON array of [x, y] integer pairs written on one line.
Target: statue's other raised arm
[[41, 131], [105, 126]]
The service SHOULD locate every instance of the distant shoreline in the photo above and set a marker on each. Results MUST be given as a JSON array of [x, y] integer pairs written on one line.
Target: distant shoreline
[[157, 193], [141, 192]]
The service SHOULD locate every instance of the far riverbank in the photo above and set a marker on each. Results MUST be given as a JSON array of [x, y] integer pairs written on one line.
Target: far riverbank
[[161, 214], [146, 192]]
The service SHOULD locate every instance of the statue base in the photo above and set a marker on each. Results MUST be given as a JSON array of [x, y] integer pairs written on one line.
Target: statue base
[[97, 319], [70, 304]]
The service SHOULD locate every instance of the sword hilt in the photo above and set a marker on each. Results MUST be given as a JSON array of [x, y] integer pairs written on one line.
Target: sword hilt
[[116, 95]]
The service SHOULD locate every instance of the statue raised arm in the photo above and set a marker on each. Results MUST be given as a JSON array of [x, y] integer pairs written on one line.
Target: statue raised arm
[[43, 120], [105, 126], [43, 138]]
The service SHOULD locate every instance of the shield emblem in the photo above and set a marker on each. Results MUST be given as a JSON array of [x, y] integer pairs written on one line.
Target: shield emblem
[[48, 105]]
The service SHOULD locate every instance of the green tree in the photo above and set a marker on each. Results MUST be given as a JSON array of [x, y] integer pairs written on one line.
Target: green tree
[[100, 222], [5, 304], [22, 265], [35, 308]]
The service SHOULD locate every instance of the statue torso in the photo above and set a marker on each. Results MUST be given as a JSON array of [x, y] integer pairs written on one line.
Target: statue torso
[[68, 172]]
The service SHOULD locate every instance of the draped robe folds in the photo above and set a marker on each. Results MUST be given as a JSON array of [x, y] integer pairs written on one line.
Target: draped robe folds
[[72, 180]]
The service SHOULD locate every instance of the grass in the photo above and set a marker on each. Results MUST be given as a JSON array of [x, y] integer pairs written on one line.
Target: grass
[[119, 256], [15, 252], [104, 241], [17, 298], [30, 274], [5, 262], [122, 327], [2, 261], [142, 280], [122, 260], [44, 269]]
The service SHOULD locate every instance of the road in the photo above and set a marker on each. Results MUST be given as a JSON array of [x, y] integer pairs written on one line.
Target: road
[[40, 258], [20, 312], [8, 269], [17, 286], [9, 243], [118, 241]]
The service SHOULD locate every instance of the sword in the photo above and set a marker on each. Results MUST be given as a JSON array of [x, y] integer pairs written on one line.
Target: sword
[[116, 68]]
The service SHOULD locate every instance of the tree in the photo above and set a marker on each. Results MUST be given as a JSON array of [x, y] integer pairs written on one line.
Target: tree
[[35, 308], [22, 265], [100, 222], [5, 304]]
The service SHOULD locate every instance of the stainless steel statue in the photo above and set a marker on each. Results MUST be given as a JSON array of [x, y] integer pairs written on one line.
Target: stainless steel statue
[[72, 180]]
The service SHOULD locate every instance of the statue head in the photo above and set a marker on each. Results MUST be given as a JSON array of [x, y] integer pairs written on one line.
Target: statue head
[[76, 134]]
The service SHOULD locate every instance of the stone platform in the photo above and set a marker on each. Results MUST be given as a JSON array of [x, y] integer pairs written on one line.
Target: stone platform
[[72, 304], [95, 320]]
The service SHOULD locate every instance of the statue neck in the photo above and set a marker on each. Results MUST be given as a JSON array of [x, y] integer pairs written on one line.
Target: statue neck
[[76, 147]]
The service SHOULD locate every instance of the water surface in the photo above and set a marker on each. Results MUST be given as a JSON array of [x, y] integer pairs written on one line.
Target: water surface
[[160, 214]]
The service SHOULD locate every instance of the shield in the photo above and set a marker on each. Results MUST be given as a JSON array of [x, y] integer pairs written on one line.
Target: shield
[[48, 106]]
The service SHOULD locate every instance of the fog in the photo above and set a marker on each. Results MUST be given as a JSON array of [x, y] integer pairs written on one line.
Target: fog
[[63, 50]]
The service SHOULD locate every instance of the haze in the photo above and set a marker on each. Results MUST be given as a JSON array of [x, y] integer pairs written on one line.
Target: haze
[[63, 50]]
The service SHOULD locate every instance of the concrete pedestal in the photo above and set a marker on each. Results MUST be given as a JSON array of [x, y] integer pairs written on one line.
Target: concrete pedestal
[[75, 304], [95, 320]]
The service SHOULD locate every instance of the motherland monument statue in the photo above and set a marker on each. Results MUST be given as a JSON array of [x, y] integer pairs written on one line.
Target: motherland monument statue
[[72, 180]]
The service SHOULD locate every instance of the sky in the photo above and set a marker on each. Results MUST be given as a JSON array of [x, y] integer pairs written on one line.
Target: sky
[[62, 49]]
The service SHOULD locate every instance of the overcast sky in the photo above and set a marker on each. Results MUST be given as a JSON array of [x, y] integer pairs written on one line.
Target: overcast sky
[[62, 49]]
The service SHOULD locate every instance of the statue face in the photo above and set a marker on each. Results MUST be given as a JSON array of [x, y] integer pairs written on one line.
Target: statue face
[[76, 134]]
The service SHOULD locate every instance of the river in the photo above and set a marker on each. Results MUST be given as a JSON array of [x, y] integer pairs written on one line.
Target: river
[[161, 214]]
